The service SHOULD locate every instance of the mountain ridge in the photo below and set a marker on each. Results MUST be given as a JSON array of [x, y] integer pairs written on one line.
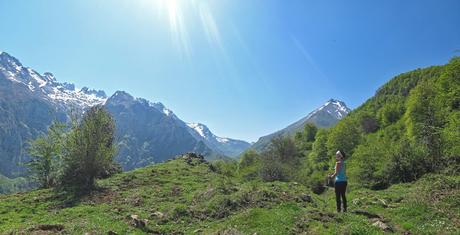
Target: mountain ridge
[[55, 100], [324, 116]]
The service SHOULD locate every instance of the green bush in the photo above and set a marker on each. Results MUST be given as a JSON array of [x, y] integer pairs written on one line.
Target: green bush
[[317, 182], [227, 168], [249, 165]]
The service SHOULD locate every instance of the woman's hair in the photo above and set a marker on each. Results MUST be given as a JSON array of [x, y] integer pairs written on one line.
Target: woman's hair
[[342, 153]]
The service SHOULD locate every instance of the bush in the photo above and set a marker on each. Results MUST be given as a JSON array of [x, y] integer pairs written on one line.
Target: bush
[[280, 161], [317, 182], [249, 165], [224, 168], [406, 163]]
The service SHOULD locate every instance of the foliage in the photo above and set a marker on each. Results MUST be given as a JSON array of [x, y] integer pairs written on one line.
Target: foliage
[[409, 128], [178, 198], [74, 159], [249, 164], [345, 136], [279, 161], [227, 168], [89, 149], [319, 157], [46, 156]]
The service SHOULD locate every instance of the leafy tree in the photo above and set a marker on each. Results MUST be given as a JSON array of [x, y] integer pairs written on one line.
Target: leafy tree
[[405, 163], [390, 113], [279, 161], [46, 153], [346, 135], [369, 123], [367, 165], [249, 164], [305, 138], [89, 149], [319, 157], [310, 131], [424, 124]]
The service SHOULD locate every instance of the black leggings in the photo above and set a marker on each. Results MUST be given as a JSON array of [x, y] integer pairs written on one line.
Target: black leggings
[[340, 189]]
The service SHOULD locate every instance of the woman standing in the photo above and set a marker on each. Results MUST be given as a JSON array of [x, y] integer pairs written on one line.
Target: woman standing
[[340, 181]]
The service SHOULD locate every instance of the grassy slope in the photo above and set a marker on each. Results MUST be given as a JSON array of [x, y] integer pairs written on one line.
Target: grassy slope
[[195, 200]]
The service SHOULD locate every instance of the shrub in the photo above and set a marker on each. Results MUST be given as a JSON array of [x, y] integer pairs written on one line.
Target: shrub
[[280, 161], [317, 182], [249, 165]]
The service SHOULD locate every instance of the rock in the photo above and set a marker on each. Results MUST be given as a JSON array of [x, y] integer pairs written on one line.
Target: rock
[[366, 213], [158, 214], [306, 198], [137, 222], [189, 157], [381, 202], [112, 233], [382, 226], [50, 227]]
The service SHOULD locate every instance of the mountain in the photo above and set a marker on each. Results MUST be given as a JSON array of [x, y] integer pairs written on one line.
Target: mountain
[[147, 132], [228, 147], [323, 117]]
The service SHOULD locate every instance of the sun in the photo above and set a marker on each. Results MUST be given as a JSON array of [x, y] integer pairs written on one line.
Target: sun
[[181, 16]]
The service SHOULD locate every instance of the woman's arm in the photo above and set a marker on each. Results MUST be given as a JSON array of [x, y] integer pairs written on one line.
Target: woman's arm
[[337, 169]]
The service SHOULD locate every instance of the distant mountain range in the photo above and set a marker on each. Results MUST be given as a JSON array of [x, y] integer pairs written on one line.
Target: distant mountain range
[[147, 132], [323, 117]]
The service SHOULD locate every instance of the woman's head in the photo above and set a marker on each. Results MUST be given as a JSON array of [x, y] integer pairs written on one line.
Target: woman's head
[[340, 155]]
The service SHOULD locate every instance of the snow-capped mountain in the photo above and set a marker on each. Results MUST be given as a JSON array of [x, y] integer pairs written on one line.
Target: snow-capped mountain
[[336, 108], [325, 116], [227, 146], [46, 85], [146, 131]]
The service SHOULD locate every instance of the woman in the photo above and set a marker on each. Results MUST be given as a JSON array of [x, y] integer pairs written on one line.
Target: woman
[[340, 180]]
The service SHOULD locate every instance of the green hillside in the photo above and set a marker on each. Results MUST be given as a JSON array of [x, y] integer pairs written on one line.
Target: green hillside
[[403, 159], [187, 196], [409, 128]]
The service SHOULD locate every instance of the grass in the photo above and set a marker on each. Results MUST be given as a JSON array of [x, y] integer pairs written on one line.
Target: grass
[[177, 197]]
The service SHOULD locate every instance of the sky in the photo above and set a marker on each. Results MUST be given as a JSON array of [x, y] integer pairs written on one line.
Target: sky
[[245, 68]]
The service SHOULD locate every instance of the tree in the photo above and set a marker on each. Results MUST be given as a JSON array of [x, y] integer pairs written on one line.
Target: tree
[[345, 136], [89, 149], [304, 139], [310, 131], [249, 164], [390, 113], [424, 123], [279, 162], [368, 122], [46, 153], [319, 156]]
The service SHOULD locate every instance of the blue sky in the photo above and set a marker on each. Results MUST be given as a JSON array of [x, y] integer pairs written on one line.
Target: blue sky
[[245, 68]]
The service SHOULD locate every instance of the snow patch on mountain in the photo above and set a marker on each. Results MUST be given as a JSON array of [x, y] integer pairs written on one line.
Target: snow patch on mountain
[[47, 86], [222, 140], [199, 128], [334, 107]]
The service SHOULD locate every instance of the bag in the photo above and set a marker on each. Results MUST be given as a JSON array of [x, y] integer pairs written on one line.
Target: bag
[[330, 181]]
